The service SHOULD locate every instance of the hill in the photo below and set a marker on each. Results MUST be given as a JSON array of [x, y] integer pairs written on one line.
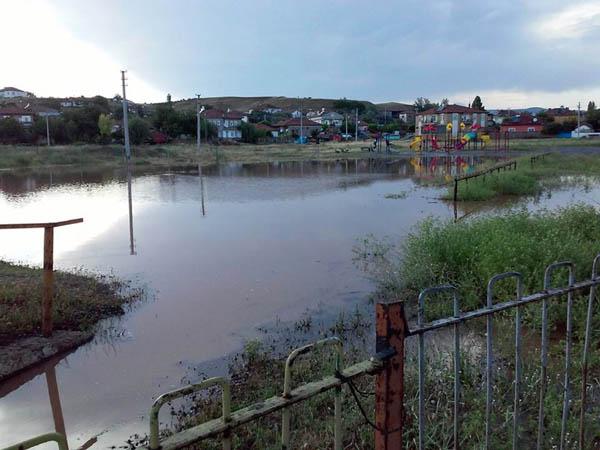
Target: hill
[[287, 104]]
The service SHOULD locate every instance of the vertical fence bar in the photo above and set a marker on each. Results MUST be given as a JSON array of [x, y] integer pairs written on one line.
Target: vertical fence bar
[[48, 281], [517, 367], [489, 358], [420, 320], [568, 347], [544, 354], [456, 372], [586, 348], [488, 368], [390, 327], [287, 390]]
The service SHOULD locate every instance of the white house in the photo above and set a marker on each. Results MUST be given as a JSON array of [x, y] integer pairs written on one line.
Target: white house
[[584, 131], [331, 119], [13, 92], [228, 123], [296, 114]]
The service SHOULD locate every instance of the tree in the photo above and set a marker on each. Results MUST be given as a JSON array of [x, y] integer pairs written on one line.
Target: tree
[[477, 103], [167, 120], [423, 104], [11, 131], [444, 102], [105, 125], [346, 105], [251, 134], [139, 130], [591, 107]]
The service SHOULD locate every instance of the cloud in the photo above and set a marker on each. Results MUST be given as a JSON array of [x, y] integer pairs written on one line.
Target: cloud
[[572, 23], [46, 58], [381, 51]]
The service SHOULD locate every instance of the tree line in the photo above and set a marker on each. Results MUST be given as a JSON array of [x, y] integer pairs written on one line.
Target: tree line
[[99, 121]]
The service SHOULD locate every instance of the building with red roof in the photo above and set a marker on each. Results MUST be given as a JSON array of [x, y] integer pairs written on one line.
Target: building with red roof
[[522, 125], [454, 114], [228, 123], [298, 127]]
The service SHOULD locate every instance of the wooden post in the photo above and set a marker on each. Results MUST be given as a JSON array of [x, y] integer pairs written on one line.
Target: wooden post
[[455, 190], [389, 396], [48, 281]]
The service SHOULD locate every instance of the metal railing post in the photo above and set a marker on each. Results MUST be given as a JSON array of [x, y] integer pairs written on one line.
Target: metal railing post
[[286, 416], [420, 318], [489, 357], [390, 328], [60, 440], [154, 441], [586, 348], [544, 354]]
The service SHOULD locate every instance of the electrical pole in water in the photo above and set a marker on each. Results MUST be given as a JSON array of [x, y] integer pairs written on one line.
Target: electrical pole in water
[[125, 121]]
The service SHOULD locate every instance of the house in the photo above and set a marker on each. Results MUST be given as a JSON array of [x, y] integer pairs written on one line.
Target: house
[[72, 103], [453, 114], [562, 114], [22, 115], [273, 131], [585, 130], [228, 123], [298, 127], [296, 114], [13, 92], [331, 119], [522, 125], [271, 109], [397, 111]]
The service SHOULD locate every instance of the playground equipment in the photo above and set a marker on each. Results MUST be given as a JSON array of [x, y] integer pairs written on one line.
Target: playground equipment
[[473, 139]]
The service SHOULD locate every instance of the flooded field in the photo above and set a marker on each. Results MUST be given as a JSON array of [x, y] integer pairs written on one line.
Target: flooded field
[[253, 245]]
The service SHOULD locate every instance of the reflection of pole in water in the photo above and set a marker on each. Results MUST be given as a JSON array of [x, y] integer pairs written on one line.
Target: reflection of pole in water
[[57, 413], [201, 188], [131, 242]]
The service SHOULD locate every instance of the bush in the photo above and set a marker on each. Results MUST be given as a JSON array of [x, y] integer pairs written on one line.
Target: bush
[[139, 130]]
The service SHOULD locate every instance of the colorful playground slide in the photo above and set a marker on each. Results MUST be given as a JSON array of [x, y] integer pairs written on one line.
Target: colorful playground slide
[[416, 143]]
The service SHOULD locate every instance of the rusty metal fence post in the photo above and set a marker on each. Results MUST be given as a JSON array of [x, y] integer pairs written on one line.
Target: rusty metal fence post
[[390, 329], [48, 292]]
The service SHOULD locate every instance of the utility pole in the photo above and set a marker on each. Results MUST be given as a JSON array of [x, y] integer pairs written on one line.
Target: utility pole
[[198, 131], [356, 127], [125, 121], [301, 130], [346, 114], [578, 118], [47, 130]]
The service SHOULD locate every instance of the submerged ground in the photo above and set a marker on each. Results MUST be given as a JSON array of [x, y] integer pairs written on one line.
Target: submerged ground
[[255, 246]]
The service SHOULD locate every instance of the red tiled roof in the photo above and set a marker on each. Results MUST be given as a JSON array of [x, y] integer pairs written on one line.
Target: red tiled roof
[[296, 123], [219, 114], [15, 111], [449, 109], [264, 126], [8, 88], [523, 119]]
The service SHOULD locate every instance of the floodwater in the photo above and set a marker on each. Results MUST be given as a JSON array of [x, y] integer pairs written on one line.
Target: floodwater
[[251, 245]]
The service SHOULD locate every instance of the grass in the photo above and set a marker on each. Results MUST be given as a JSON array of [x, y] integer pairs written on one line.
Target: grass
[[80, 300], [553, 170]]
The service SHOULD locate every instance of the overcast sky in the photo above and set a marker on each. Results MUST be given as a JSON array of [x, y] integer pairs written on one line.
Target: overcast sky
[[513, 54]]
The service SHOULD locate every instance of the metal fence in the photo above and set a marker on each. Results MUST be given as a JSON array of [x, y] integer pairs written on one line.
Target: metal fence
[[387, 365]]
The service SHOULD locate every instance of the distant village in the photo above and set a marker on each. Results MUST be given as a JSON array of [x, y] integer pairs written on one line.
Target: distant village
[[27, 119]]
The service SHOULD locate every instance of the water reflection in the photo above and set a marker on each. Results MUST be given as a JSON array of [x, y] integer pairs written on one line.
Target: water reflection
[[130, 202], [278, 241]]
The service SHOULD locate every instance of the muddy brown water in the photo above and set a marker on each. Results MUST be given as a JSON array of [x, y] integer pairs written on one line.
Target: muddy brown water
[[274, 241]]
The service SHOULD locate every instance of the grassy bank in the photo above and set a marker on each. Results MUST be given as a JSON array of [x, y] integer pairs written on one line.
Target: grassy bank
[[80, 300], [24, 157], [553, 171]]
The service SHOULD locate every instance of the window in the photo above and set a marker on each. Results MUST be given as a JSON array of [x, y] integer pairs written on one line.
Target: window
[[512, 130], [530, 129]]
